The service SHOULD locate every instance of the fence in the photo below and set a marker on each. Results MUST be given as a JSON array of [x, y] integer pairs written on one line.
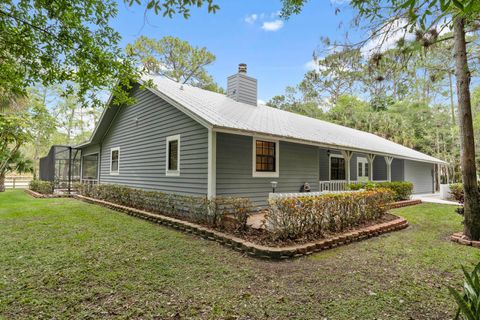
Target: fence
[[17, 182]]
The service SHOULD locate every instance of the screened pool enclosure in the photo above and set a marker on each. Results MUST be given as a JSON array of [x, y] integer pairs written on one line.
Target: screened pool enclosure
[[62, 166]]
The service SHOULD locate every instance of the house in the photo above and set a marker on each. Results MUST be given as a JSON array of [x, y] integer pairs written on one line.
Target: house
[[181, 139]]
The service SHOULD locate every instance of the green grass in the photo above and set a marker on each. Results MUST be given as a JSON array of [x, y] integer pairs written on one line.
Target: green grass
[[61, 258]]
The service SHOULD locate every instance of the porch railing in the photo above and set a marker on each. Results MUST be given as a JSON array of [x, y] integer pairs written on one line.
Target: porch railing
[[89, 181], [339, 185]]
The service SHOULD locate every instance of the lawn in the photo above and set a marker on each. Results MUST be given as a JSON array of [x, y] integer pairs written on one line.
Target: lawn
[[61, 258]]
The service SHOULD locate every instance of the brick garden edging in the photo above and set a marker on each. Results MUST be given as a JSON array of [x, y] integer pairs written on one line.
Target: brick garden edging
[[41, 195], [460, 238], [405, 203], [250, 248]]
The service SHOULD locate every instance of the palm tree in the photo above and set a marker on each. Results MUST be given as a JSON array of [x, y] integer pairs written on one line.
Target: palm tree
[[18, 164]]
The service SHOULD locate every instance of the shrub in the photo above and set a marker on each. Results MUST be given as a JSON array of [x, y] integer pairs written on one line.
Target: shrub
[[195, 209], [40, 186], [468, 302], [402, 189], [456, 190], [314, 216]]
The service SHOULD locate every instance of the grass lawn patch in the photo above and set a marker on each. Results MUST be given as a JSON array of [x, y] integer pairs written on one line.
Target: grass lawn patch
[[62, 258]]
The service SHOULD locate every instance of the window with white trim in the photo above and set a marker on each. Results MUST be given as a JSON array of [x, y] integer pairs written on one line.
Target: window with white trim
[[265, 158], [114, 160], [173, 156]]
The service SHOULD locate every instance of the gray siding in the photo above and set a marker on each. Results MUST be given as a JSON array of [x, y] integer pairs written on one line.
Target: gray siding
[[242, 88], [420, 173], [140, 132], [379, 168], [398, 170], [298, 164]]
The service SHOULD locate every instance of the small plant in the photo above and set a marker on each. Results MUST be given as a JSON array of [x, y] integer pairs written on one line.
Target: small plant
[[40, 186], [469, 302], [456, 190]]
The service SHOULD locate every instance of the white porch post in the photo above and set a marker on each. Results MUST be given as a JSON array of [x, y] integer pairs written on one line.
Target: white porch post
[[347, 155], [370, 158], [389, 160], [212, 170]]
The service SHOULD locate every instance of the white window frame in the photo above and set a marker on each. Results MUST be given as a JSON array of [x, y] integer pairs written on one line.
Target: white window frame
[[262, 174], [111, 152], [334, 155], [172, 173], [364, 162]]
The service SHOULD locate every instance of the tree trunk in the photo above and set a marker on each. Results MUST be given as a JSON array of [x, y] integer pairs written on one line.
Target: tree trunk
[[2, 182], [467, 143]]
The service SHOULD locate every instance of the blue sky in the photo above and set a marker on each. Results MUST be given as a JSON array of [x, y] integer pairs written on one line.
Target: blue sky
[[246, 31]]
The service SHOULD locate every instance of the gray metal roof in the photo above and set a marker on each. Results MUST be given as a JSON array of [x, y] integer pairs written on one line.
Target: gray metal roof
[[220, 112]]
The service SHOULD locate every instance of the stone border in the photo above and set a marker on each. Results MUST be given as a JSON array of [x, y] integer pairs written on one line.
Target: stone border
[[460, 238], [253, 249], [405, 203], [47, 196]]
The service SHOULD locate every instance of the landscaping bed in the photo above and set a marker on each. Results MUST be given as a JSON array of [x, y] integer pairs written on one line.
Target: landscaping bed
[[64, 259], [375, 228]]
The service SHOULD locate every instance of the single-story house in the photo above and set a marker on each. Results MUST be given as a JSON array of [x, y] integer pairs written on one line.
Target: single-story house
[[181, 139]]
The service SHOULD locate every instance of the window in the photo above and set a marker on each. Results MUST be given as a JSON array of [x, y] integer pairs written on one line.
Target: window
[[90, 167], [265, 152], [173, 156], [360, 171], [337, 167], [265, 158], [114, 160]]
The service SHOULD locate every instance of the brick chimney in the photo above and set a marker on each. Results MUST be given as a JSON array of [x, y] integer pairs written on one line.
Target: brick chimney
[[241, 87]]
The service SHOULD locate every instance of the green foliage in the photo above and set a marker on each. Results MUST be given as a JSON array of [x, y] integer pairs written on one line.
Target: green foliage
[[316, 216], [14, 132], [40, 186], [468, 302], [456, 190], [175, 59], [402, 190], [195, 209], [72, 41]]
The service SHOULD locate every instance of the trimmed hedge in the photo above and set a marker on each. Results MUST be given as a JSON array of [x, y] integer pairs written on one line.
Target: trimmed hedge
[[402, 189], [201, 210], [315, 216], [40, 186]]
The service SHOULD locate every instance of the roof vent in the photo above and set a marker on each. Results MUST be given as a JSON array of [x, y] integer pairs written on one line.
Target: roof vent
[[241, 87]]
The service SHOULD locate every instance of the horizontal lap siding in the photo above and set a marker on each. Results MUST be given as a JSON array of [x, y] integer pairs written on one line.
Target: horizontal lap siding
[[398, 170], [298, 164], [379, 168], [140, 131], [420, 174]]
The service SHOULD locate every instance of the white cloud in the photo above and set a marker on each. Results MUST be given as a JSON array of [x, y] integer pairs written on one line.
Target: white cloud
[[310, 65], [268, 21], [272, 25], [389, 36], [251, 18]]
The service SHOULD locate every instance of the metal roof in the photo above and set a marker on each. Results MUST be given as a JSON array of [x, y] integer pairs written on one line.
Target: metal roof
[[220, 112]]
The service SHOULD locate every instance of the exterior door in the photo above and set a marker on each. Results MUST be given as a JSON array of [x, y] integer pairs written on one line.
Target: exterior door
[[362, 169]]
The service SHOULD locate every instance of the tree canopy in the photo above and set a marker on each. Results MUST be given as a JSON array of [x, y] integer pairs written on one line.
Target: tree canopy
[[71, 42]]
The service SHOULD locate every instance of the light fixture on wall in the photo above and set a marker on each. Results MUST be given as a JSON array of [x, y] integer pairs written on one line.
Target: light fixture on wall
[[274, 185]]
